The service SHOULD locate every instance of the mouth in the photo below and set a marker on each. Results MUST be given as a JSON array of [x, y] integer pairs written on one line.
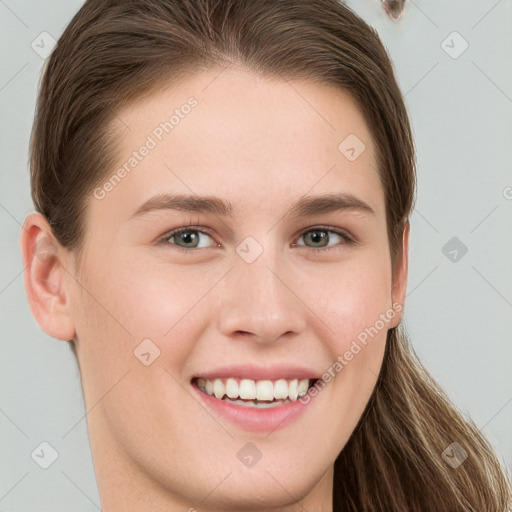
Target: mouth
[[261, 394]]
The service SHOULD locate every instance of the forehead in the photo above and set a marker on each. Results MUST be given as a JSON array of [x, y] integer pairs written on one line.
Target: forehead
[[250, 139], [244, 108]]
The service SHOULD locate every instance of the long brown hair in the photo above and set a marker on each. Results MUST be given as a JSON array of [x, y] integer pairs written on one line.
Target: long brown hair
[[116, 50]]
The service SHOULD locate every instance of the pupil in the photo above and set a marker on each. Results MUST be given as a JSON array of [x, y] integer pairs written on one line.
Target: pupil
[[187, 237], [317, 236]]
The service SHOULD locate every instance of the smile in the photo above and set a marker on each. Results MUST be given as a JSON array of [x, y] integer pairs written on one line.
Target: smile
[[256, 393], [255, 405]]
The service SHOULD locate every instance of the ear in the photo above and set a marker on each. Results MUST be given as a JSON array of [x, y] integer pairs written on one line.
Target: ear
[[44, 260], [399, 287]]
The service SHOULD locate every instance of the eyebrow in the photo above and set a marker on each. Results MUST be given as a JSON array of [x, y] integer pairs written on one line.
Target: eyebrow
[[305, 206]]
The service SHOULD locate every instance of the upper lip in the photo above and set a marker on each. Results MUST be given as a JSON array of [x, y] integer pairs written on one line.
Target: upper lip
[[254, 372]]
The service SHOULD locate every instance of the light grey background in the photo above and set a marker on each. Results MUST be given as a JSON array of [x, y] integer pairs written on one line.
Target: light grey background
[[457, 313]]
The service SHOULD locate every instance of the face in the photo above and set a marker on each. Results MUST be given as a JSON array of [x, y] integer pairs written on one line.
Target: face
[[253, 290]]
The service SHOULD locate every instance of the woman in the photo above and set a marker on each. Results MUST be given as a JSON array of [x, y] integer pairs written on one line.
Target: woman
[[223, 191]]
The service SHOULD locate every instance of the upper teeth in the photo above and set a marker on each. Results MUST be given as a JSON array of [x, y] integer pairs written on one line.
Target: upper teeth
[[255, 389]]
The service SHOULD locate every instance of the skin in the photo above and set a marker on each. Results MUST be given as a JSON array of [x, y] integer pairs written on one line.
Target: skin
[[261, 144]]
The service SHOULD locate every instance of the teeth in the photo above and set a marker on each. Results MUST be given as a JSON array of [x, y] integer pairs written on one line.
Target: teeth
[[232, 388], [281, 388], [218, 388], [294, 392], [259, 405], [302, 387], [264, 390], [248, 389]]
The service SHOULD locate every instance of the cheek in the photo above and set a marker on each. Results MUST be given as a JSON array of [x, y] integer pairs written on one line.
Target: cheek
[[351, 303], [157, 296], [140, 298], [352, 300], [137, 311], [127, 316]]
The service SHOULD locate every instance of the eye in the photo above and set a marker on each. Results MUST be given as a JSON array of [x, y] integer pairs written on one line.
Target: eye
[[190, 237], [322, 236]]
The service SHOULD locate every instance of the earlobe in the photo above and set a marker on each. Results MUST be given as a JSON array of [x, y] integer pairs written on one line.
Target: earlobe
[[45, 278], [399, 287]]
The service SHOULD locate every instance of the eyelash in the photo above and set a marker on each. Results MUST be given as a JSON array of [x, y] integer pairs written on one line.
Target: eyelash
[[164, 240]]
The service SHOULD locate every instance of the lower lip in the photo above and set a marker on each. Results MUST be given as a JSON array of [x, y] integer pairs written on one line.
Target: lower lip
[[255, 419]]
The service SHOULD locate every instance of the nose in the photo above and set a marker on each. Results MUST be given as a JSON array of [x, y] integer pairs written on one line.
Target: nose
[[260, 303]]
